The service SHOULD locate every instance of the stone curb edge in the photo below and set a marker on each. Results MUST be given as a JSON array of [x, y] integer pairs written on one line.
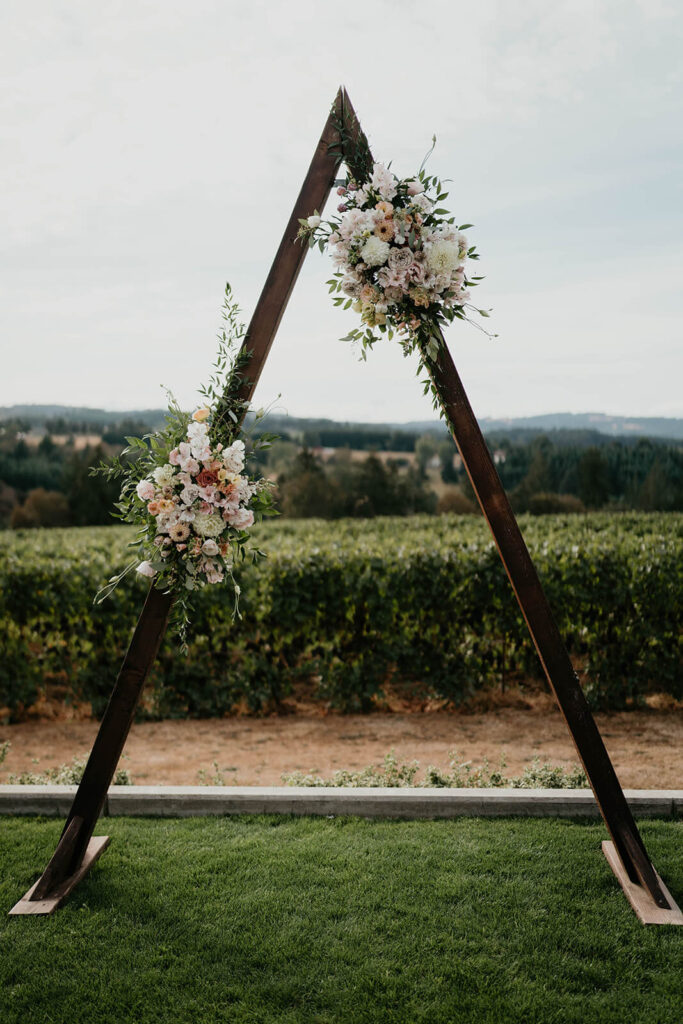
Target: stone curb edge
[[190, 801]]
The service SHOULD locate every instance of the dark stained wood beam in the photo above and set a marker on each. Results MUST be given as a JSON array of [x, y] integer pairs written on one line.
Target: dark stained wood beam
[[153, 620]]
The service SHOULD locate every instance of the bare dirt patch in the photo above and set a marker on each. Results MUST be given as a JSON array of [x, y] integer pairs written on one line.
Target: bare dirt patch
[[646, 746]]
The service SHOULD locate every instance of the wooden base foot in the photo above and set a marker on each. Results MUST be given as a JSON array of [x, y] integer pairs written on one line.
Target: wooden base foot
[[645, 907], [26, 905]]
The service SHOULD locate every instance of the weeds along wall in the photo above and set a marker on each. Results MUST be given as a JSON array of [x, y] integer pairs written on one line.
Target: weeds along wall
[[348, 606]]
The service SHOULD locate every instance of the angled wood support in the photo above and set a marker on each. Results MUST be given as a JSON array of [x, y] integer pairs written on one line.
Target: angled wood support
[[551, 650], [626, 853], [66, 866]]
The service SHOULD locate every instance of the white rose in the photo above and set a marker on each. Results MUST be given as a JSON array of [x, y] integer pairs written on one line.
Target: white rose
[[163, 475], [351, 285], [233, 457], [209, 547], [314, 221], [189, 494]]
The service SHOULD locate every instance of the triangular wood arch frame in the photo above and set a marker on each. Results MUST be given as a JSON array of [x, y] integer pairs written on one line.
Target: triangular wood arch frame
[[77, 849]]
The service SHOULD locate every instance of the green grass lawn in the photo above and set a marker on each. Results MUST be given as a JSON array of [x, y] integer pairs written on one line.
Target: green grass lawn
[[320, 920]]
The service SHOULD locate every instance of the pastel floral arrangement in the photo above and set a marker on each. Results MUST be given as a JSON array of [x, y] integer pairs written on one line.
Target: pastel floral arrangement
[[400, 258], [187, 490], [195, 507]]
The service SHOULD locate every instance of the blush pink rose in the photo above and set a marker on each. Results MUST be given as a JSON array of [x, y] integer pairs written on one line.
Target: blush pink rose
[[145, 490], [242, 519], [415, 273]]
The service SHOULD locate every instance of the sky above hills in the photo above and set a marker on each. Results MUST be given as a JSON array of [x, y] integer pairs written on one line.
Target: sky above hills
[[153, 151]]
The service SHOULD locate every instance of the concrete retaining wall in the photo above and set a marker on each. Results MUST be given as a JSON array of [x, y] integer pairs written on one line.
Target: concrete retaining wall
[[189, 801]]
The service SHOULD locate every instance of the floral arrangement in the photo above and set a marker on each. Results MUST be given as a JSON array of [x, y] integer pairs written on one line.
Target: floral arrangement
[[194, 505], [400, 258], [187, 489]]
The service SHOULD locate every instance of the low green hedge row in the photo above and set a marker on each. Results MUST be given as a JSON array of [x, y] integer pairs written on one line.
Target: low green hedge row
[[349, 605]]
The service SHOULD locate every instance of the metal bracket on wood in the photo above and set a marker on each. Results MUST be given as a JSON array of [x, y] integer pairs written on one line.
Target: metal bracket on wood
[[77, 851]]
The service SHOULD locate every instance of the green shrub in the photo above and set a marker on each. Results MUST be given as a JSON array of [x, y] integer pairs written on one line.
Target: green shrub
[[347, 605], [64, 775], [462, 775], [548, 503]]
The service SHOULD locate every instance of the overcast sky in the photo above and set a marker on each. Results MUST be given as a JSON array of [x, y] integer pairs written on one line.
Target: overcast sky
[[153, 151]]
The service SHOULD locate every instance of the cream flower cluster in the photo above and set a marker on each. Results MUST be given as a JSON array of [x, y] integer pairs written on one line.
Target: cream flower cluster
[[198, 501], [395, 253]]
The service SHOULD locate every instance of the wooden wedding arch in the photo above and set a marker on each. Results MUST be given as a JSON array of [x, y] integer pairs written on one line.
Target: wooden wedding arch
[[342, 140]]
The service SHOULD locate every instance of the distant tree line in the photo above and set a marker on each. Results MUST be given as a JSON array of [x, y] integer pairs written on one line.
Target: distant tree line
[[343, 487], [49, 483], [543, 475], [361, 440], [645, 474]]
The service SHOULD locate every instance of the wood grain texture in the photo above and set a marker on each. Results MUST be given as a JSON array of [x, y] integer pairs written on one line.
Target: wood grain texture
[[291, 253]]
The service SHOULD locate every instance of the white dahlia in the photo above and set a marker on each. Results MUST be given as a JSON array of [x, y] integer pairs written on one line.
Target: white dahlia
[[375, 251], [208, 524], [443, 257]]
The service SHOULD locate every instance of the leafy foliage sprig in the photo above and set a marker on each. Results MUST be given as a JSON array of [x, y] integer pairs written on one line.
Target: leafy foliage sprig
[[186, 490]]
